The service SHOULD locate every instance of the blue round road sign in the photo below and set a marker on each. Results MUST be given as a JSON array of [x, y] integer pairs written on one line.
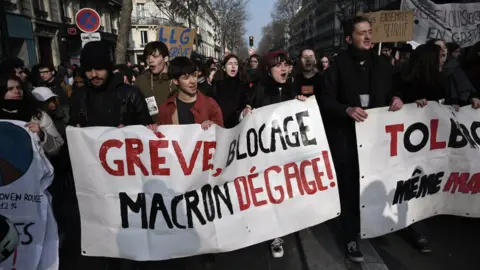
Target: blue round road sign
[[87, 20]]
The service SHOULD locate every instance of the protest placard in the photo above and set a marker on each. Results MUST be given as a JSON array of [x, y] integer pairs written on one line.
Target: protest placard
[[184, 191], [179, 40], [25, 174], [417, 163], [459, 23], [391, 25]]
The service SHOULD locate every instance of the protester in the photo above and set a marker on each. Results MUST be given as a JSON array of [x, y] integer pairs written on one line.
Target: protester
[[230, 90], [61, 199], [56, 84], [69, 75], [49, 104], [458, 85], [443, 50], [273, 88], [454, 50], [126, 72], [205, 82], [325, 63], [308, 80], [16, 104], [155, 83], [471, 65], [253, 62], [212, 63], [15, 66], [422, 81], [78, 80], [358, 79], [105, 101], [188, 106]]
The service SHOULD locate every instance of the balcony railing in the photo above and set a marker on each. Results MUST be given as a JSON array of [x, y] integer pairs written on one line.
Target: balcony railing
[[137, 20], [42, 14]]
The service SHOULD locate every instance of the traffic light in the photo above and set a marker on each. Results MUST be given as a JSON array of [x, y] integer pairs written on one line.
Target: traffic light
[[251, 41]]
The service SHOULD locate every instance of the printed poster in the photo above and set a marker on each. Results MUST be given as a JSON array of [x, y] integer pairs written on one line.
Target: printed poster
[[25, 174], [457, 23]]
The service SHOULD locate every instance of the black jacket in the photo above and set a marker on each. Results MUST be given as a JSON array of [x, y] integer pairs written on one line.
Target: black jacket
[[232, 96], [267, 92], [340, 91], [308, 87], [116, 104], [417, 89]]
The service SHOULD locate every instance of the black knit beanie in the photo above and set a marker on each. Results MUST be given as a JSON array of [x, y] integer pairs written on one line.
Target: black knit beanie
[[96, 55]]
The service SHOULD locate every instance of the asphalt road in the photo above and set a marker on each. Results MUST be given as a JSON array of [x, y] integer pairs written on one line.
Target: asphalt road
[[454, 242]]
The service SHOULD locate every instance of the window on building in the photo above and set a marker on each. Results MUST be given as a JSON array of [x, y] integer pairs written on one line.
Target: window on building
[[144, 37], [39, 5], [141, 10]]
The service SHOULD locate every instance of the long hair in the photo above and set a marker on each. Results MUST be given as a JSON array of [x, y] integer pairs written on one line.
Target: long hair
[[30, 104], [241, 74], [424, 66], [472, 57], [452, 47]]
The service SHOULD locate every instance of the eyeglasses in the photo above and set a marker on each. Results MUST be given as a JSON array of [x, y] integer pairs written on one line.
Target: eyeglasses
[[254, 61]]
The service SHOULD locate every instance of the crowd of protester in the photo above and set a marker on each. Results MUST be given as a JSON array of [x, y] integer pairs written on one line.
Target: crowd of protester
[[180, 91]]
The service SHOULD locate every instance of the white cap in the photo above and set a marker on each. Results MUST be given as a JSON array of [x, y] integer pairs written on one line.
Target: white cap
[[43, 93]]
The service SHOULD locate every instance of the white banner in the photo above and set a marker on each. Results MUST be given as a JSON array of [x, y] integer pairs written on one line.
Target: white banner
[[186, 191], [417, 163], [25, 174], [457, 23]]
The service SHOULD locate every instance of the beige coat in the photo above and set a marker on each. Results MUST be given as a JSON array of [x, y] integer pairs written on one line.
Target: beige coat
[[52, 141]]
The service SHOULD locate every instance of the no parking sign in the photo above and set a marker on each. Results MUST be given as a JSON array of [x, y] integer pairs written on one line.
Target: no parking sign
[[87, 20]]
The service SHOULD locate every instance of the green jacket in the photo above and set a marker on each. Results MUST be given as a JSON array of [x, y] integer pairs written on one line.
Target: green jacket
[[157, 86]]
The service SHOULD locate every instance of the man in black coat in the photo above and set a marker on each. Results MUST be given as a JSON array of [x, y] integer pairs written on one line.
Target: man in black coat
[[358, 80], [105, 100]]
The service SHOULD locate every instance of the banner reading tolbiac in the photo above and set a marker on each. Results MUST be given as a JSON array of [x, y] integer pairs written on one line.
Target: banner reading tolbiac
[[184, 191], [417, 163]]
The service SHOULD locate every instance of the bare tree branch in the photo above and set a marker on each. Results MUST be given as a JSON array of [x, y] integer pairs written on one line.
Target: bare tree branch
[[232, 15], [282, 16], [285, 10], [172, 9]]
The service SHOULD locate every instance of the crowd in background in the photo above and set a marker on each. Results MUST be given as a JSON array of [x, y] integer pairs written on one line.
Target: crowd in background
[[186, 91]]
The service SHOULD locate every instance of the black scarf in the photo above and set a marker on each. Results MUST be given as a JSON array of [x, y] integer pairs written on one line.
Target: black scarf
[[14, 110], [359, 55], [273, 87]]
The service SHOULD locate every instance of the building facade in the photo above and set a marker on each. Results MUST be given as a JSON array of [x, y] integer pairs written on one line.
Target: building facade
[[44, 30], [69, 34], [147, 16]]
